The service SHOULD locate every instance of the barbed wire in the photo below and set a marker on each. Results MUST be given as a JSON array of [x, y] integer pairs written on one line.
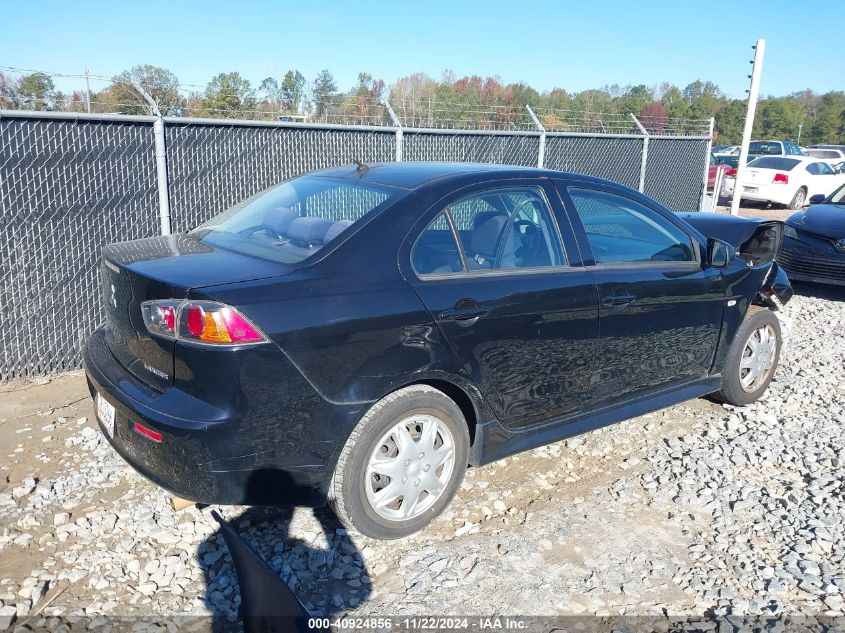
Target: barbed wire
[[353, 109]]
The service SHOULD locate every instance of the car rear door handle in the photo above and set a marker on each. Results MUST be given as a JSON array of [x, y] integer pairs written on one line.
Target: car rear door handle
[[618, 300], [463, 317]]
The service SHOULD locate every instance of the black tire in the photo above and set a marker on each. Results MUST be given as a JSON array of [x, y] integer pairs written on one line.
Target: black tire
[[798, 199], [732, 390], [347, 494]]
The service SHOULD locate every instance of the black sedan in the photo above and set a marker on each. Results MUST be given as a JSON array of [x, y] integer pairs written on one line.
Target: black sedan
[[814, 241], [361, 334]]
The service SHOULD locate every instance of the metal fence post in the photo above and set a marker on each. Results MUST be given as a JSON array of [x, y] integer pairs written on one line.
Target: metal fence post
[[541, 150], [645, 152], [707, 170], [161, 160], [161, 176], [398, 125]]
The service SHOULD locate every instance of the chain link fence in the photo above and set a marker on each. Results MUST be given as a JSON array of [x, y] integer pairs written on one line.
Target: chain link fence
[[71, 183]]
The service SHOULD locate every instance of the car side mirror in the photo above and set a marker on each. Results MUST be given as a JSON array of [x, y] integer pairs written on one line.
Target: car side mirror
[[817, 199], [719, 253]]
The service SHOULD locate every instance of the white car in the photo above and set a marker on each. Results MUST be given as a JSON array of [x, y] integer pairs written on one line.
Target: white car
[[829, 155], [786, 180], [733, 150]]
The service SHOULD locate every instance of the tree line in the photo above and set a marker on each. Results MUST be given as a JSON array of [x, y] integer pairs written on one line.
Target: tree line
[[450, 101]]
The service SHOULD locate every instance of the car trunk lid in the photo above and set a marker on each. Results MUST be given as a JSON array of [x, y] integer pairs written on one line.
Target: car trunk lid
[[162, 268]]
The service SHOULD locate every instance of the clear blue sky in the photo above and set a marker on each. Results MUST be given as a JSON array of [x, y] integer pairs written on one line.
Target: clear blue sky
[[572, 45]]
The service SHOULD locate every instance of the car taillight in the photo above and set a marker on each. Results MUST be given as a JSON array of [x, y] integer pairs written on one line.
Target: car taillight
[[730, 172], [781, 179], [160, 317], [200, 322]]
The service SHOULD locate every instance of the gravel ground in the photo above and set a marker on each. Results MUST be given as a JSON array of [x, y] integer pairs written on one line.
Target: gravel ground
[[696, 509]]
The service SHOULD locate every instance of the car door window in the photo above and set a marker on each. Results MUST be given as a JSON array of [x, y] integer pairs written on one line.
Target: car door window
[[813, 168], [506, 229], [825, 169], [621, 230], [436, 251]]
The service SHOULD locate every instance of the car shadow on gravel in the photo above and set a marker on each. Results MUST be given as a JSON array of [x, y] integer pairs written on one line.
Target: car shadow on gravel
[[320, 563], [819, 291]]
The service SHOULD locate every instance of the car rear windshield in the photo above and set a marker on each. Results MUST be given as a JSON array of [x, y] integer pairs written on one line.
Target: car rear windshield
[[764, 147], [822, 153], [292, 221], [774, 162]]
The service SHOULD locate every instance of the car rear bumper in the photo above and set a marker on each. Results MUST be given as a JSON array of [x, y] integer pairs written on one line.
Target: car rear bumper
[[777, 194], [803, 263], [207, 454]]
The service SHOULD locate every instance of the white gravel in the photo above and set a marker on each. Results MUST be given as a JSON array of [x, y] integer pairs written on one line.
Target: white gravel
[[700, 508]]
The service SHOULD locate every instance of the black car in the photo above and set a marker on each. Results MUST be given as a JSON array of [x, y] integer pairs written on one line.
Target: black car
[[814, 241], [361, 334]]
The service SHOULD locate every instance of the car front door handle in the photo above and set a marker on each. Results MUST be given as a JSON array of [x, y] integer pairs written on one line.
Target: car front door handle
[[618, 300], [465, 317]]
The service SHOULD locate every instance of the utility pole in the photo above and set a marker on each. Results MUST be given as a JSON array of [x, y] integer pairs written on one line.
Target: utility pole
[[87, 91], [798, 142], [753, 92]]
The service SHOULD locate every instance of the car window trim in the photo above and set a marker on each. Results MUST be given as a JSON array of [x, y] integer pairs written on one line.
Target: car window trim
[[469, 273], [499, 272], [564, 184]]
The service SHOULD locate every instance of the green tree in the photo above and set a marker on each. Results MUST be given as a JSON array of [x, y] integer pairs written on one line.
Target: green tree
[[676, 105], [228, 96], [8, 93], [704, 99], [269, 89], [730, 120], [634, 99], [161, 84], [292, 90], [36, 91], [322, 90], [830, 121], [778, 118]]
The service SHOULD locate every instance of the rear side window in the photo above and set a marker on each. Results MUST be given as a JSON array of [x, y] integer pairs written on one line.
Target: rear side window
[[621, 230], [792, 149], [813, 168], [498, 230], [436, 251], [774, 162], [291, 221]]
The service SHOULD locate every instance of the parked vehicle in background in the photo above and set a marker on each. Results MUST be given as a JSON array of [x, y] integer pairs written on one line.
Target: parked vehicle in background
[[727, 150], [360, 334], [713, 170], [786, 180], [814, 241], [829, 155], [765, 148], [827, 146]]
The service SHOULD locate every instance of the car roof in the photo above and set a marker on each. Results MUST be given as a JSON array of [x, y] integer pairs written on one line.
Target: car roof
[[412, 175]]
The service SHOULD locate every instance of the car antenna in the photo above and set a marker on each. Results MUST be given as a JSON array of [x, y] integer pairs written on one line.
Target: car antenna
[[361, 167]]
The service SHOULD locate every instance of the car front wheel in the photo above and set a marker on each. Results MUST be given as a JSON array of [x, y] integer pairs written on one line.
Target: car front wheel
[[402, 464], [752, 359]]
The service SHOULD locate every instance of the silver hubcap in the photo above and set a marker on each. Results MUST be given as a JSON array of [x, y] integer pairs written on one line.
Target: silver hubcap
[[799, 198], [757, 358], [410, 467]]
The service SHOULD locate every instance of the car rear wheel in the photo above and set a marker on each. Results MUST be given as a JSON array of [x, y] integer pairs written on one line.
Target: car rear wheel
[[402, 464], [752, 359], [798, 199]]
